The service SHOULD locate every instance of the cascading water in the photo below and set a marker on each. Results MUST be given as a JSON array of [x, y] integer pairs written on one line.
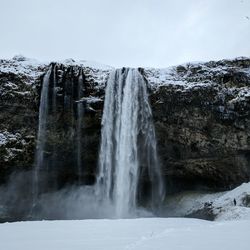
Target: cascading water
[[128, 144], [129, 175], [79, 126], [59, 138], [41, 135]]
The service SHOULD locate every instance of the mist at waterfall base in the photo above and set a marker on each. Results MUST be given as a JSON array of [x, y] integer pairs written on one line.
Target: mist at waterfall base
[[71, 202], [127, 154]]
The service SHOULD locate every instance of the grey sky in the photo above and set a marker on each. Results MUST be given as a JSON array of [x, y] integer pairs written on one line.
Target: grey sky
[[155, 33]]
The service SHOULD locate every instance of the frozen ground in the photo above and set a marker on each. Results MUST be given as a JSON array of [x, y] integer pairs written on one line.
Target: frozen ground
[[140, 234], [221, 205]]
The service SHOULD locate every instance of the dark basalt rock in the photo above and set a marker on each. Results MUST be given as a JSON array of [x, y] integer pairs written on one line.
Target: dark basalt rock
[[18, 122], [202, 125], [204, 132], [19, 115]]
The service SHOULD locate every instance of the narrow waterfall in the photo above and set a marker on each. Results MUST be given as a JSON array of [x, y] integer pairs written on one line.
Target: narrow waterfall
[[42, 134], [60, 137], [128, 145], [79, 126]]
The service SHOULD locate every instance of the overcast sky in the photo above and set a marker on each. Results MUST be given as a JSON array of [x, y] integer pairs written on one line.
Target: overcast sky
[[155, 33]]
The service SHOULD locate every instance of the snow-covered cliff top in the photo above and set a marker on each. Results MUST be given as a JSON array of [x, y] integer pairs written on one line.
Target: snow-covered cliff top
[[193, 74], [33, 69], [184, 77]]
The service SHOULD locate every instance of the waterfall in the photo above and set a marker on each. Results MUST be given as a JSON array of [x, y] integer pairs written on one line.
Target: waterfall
[[59, 138], [79, 126], [129, 175], [128, 144], [42, 134]]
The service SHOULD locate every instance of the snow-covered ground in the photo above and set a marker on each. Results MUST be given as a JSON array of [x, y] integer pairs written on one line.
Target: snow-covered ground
[[231, 229], [127, 234], [221, 204]]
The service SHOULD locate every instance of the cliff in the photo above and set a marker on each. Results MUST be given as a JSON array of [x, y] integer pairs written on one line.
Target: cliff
[[201, 114]]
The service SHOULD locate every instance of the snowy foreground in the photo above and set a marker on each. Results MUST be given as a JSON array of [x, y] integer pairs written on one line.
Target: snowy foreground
[[142, 234], [231, 230]]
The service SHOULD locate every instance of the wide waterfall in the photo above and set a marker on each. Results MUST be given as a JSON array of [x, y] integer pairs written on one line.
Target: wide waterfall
[[128, 146]]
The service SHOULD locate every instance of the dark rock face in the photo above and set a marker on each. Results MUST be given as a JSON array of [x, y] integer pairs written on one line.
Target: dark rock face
[[18, 123], [72, 136], [20, 98], [204, 132], [201, 113]]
